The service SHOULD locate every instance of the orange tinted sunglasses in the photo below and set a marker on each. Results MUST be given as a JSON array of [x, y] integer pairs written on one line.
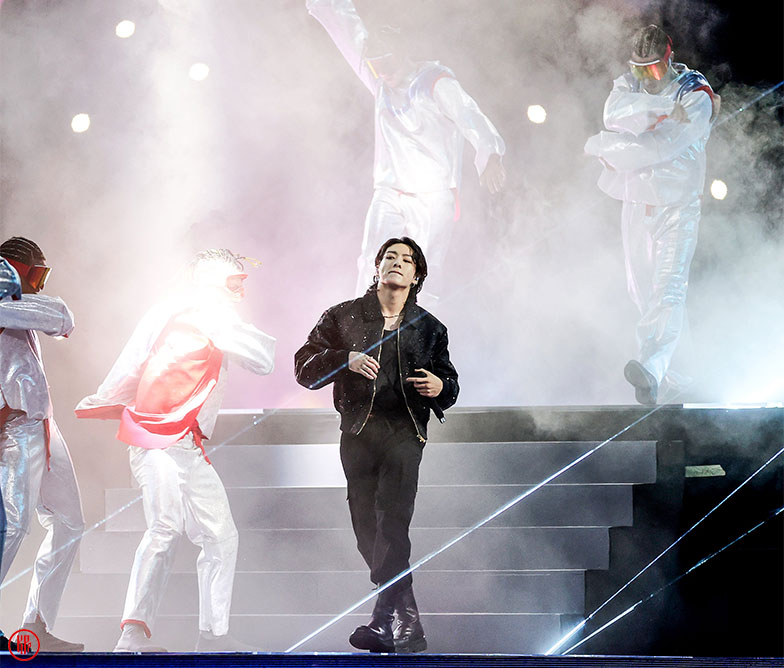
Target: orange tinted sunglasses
[[35, 274]]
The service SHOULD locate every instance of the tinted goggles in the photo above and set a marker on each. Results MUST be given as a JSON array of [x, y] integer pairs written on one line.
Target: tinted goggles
[[35, 274], [644, 71], [653, 69]]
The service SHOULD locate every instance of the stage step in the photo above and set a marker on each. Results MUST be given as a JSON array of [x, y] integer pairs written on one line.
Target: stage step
[[508, 548], [307, 593], [492, 463], [504, 588], [446, 632], [456, 506]]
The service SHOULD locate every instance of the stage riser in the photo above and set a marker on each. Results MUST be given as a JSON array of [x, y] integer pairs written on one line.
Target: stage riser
[[299, 565], [469, 425], [275, 508], [504, 463], [331, 593], [304, 550], [504, 588], [517, 634]]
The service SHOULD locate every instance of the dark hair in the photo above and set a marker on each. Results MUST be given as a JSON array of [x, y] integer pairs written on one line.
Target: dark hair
[[416, 252], [650, 41], [22, 250]]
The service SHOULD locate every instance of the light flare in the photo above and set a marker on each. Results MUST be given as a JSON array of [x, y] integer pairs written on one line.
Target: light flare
[[718, 189], [537, 114], [80, 123], [199, 71], [125, 29]]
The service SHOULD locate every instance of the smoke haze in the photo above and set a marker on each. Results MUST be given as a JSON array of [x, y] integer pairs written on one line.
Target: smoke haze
[[271, 156]]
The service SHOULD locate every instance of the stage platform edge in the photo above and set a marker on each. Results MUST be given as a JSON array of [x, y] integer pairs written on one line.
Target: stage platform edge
[[338, 660]]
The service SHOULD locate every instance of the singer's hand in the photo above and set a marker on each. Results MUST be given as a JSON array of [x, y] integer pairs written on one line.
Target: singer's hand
[[363, 364], [428, 385]]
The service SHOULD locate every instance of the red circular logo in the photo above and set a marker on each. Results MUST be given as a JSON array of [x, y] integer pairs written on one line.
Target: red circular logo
[[27, 645]]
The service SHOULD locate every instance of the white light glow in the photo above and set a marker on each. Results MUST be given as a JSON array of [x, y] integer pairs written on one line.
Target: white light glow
[[718, 189], [537, 114], [125, 29], [198, 71], [80, 123]]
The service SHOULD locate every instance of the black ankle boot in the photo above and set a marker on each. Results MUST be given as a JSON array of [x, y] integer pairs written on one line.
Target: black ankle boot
[[376, 636], [409, 635]]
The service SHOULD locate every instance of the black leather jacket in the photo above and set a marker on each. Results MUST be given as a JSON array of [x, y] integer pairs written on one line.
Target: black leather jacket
[[358, 325]]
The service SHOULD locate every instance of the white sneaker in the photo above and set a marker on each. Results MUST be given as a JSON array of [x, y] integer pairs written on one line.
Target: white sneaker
[[133, 639]]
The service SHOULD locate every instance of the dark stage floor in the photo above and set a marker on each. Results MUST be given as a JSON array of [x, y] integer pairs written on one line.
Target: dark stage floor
[[395, 661]]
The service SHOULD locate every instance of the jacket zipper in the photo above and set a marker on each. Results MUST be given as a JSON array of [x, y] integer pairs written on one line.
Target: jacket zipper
[[403, 389], [373, 396]]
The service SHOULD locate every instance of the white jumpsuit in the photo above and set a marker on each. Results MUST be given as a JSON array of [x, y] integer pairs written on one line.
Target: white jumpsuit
[[420, 129], [181, 491], [655, 164], [30, 482]]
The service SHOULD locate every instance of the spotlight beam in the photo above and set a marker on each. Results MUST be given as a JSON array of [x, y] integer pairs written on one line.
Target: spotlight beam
[[256, 421], [701, 562], [571, 633], [466, 532], [749, 103]]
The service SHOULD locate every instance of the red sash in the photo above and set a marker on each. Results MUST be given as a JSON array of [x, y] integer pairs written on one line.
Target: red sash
[[179, 374]]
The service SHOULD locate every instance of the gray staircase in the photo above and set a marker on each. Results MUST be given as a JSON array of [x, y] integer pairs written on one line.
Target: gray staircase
[[504, 588]]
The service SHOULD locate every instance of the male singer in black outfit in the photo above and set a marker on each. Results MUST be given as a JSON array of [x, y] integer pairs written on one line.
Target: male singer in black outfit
[[389, 361]]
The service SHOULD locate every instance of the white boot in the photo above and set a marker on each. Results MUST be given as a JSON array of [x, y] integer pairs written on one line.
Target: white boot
[[49, 643], [133, 639]]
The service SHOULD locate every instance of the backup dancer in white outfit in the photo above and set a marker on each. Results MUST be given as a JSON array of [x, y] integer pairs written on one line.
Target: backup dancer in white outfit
[[422, 118], [658, 119], [36, 472], [10, 287], [166, 388]]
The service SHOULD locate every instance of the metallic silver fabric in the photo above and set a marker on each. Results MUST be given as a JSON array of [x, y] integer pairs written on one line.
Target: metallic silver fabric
[[26, 481], [22, 378], [182, 493], [649, 157], [421, 129], [655, 164], [27, 484], [9, 281], [659, 244]]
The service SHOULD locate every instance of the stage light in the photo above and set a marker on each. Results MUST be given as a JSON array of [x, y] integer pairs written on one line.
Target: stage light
[[718, 189], [80, 123], [125, 29], [537, 114], [198, 71]]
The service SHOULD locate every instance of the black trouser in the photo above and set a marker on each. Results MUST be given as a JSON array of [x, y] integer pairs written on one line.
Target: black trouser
[[382, 470]]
